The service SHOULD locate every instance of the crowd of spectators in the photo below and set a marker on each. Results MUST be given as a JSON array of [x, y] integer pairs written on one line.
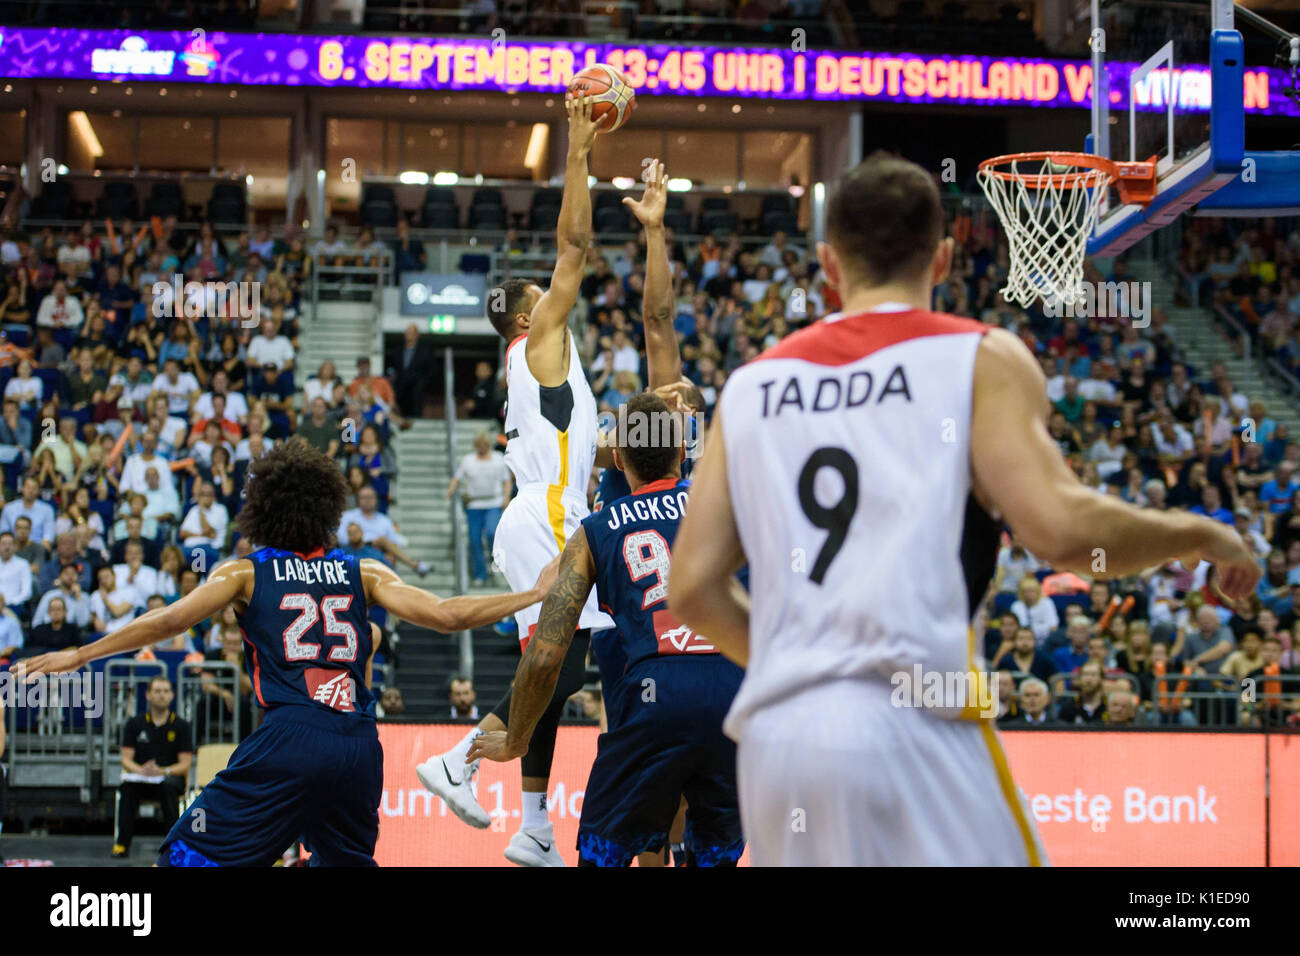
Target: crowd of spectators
[[126, 432], [1249, 273], [133, 404]]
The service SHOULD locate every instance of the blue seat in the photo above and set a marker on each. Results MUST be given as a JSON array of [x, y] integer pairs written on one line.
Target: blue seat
[[1002, 603], [1062, 601], [18, 335], [50, 378]]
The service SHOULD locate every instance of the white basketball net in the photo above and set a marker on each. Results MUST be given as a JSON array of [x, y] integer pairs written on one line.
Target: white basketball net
[[1048, 211]]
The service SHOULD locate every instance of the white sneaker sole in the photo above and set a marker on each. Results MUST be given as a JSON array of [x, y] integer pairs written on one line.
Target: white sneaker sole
[[433, 774]]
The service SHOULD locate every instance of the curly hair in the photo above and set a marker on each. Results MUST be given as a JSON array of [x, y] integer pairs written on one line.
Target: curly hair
[[294, 498]]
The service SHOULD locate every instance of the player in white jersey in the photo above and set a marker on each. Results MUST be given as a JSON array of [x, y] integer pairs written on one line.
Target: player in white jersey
[[551, 448], [856, 467]]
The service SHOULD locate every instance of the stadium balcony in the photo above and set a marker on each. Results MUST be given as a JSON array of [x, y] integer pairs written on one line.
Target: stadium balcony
[[189, 198]]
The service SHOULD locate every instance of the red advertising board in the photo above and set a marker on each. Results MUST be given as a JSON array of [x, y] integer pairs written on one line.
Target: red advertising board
[[1099, 799]]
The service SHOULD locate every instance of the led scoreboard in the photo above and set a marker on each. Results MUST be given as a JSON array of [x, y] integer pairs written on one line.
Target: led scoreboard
[[483, 64]]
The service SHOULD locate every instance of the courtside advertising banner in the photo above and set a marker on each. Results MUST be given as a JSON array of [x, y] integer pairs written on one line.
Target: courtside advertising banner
[[1144, 799], [1099, 799]]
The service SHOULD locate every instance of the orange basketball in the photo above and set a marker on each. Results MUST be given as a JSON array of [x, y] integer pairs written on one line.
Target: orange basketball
[[614, 99]]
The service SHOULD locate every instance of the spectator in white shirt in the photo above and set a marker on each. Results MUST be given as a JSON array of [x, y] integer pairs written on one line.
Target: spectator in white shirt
[[621, 357], [112, 607], [487, 481], [332, 251], [30, 506], [270, 348], [161, 501], [170, 429], [1014, 562], [181, 388], [1034, 610], [76, 602], [133, 471], [67, 449], [136, 382], [15, 574], [206, 523], [377, 529], [236, 407], [1171, 438], [59, 310], [322, 386], [756, 288], [25, 388], [255, 445], [211, 440], [135, 573]]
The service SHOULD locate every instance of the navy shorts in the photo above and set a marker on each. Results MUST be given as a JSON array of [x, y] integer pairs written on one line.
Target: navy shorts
[[305, 773], [667, 743]]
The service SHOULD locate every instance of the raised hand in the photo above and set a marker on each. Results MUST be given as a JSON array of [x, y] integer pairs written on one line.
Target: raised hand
[[650, 209], [582, 127]]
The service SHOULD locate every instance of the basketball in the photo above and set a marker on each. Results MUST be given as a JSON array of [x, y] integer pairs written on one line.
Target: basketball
[[614, 99]]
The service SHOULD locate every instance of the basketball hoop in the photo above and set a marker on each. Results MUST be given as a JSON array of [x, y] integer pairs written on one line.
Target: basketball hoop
[[1048, 203]]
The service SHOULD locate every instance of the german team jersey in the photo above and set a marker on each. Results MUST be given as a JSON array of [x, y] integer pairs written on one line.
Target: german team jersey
[[307, 633], [550, 431], [848, 464], [630, 542]]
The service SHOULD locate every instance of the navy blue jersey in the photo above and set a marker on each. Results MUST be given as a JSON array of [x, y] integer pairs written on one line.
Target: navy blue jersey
[[630, 542], [307, 633]]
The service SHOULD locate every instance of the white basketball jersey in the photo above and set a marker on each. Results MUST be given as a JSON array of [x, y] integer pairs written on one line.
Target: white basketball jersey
[[848, 460], [550, 432]]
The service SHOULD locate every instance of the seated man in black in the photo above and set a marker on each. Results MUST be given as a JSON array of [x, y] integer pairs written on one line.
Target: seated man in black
[[56, 635], [157, 744]]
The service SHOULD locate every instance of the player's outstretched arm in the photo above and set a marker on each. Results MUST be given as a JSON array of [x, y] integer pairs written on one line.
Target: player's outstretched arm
[[447, 615], [231, 581], [538, 671], [547, 346], [703, 592], [663, 356], [1018, 470]]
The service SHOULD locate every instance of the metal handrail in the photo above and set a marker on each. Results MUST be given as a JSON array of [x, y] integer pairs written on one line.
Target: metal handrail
[[459, 540]]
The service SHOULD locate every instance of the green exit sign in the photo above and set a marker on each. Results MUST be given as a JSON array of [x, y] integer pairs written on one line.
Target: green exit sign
[[442, 323]]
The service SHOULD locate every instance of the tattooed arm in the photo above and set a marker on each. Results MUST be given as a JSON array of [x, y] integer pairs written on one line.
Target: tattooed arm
[[539, 670]]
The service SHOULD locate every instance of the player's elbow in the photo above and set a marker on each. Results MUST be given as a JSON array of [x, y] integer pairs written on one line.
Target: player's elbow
[[1062, 535], [572, 245]]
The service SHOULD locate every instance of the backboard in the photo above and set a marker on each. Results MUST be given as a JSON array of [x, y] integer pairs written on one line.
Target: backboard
[[1168, 85]]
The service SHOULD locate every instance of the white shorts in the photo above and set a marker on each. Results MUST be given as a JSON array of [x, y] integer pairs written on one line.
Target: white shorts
[[839, 777], [526, 541]]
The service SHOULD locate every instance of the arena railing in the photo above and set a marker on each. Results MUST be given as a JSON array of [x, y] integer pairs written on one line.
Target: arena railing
[[200, 686], [50, 741], [1249, 702], [351, 283], [459, 532]]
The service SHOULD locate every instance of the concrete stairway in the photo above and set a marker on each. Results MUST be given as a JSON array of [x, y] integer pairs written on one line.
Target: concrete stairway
[[341, 332], [1202, 345], [424, 516]]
